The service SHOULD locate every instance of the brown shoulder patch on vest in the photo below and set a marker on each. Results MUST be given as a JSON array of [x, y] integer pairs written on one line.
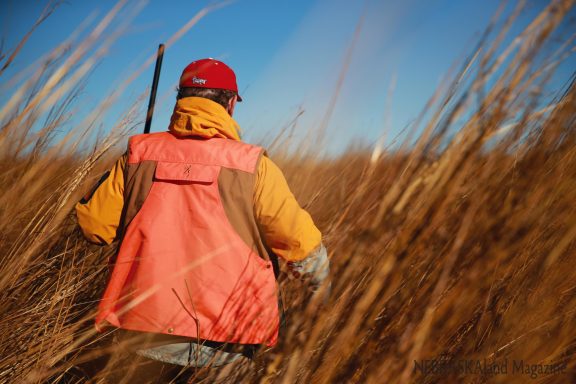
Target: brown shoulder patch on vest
[[138, 179], [236, 192]]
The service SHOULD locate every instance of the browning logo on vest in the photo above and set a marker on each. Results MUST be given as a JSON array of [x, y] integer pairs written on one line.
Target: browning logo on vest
[[191, 261]]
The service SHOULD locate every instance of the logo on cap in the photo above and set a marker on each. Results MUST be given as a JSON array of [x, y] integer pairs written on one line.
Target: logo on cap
[[197, 80]]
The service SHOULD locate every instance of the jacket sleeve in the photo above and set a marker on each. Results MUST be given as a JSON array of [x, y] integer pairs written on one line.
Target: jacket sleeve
[[287, 228], [100, 210]]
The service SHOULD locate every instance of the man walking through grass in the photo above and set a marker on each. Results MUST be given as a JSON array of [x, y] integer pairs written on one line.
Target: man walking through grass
[[200, 218]]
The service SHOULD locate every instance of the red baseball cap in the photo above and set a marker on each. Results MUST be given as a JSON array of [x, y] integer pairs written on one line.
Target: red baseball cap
[[209, 73]]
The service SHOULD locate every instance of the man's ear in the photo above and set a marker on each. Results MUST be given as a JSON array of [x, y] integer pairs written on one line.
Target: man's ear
[[232, 105]]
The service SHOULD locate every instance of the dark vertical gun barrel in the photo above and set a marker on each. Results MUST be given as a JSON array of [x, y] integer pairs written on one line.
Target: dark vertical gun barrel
[[154, 88]]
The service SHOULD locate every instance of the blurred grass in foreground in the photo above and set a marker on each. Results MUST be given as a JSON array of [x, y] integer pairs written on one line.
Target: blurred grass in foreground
[[457, 247]]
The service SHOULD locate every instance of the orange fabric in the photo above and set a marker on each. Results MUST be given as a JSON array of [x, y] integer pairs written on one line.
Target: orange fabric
[[286, 227], [99, 216], [200, 117], [181, 268], [289, 230]]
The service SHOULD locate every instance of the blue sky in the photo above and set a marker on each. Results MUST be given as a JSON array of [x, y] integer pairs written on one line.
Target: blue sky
[[287, 55]]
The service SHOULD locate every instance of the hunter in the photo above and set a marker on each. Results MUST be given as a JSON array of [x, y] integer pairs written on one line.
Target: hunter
[[201, 219]]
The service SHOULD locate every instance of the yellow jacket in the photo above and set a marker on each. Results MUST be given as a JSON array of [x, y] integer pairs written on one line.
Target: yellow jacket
[[287, 229]]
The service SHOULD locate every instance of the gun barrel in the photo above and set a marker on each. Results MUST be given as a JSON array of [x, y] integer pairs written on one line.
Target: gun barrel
[[154, 89]]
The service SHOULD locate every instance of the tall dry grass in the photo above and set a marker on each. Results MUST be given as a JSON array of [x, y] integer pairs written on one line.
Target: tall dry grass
[[458, 246]]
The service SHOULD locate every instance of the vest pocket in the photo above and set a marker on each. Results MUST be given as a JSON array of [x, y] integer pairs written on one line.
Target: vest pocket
[[186, 172]]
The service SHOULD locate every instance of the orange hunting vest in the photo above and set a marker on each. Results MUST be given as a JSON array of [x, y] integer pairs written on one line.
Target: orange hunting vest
[[191, 261]]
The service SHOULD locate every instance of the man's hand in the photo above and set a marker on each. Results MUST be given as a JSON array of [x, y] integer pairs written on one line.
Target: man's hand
[[313, 270]]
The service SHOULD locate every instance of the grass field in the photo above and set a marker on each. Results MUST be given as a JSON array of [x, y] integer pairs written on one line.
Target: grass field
[[457, 245]]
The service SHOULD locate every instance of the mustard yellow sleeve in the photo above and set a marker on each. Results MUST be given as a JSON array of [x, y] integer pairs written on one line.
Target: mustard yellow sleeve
[[287, 228], [99, 212]]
